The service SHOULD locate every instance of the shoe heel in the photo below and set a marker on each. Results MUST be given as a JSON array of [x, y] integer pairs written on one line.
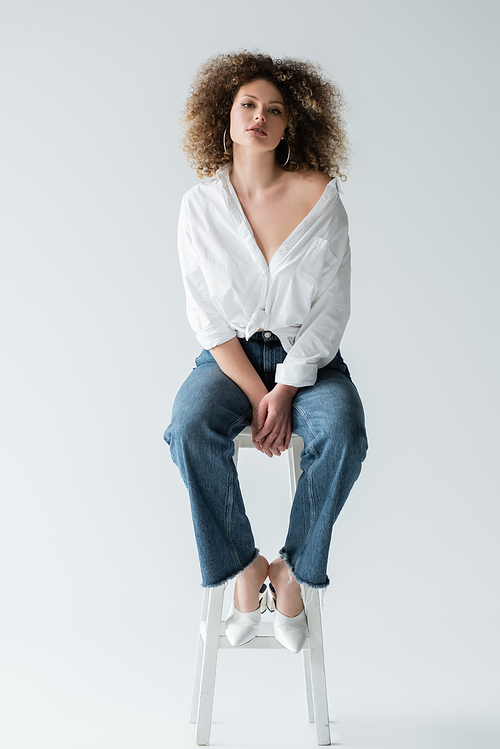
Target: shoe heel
[[263, 598], [271, 601]]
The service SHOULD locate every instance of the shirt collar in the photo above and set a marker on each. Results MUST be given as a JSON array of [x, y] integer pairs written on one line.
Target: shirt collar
[[224, 171]]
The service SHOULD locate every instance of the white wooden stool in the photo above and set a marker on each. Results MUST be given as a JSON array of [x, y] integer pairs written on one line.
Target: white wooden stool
[[212, 637]]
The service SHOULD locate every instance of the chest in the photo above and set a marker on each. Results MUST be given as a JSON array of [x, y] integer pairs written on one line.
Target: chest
[[276, 217]]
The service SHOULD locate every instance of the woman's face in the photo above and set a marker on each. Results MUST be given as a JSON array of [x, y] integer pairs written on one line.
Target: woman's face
[[258, 117]]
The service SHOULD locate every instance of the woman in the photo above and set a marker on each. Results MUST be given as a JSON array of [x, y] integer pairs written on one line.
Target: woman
[[265, 259]]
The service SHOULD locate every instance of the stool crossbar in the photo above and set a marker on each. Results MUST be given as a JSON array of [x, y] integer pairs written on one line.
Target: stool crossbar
[[212, 636]]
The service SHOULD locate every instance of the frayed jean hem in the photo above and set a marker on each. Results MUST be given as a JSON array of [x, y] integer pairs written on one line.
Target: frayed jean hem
[[234, 574], [318, 586]]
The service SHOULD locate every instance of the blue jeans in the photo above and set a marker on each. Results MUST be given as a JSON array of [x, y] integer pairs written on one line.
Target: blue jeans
[[210, 410]]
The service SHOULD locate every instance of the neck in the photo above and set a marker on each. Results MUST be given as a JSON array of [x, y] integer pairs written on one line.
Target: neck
[[252, 172]]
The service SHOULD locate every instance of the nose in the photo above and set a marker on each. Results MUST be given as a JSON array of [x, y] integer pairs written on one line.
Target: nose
[[260, 116]]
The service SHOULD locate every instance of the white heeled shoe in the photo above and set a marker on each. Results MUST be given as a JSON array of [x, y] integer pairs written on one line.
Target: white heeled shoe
[[242, 627], [290, 631]]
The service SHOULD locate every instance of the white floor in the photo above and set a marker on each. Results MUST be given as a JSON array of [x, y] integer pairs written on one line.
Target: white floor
[[135, 694], [265, 707]]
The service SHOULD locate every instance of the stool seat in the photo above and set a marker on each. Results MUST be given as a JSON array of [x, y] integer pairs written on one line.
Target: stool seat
[[212, 636]]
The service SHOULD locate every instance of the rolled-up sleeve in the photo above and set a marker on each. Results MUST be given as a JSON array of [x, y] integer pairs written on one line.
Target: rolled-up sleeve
[[205, 319], [318, 338]]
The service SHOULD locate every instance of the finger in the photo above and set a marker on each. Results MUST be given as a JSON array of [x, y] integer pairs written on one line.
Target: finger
[[255, 425], [282, 447], [266, 451], [255, 431], [266, 447], [261, 414], [275, 443], [256, 442], [268, 436], [266, 430], [271, 428]]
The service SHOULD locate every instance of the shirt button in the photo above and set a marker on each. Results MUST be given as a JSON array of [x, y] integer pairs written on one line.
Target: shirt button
[[267, 334]]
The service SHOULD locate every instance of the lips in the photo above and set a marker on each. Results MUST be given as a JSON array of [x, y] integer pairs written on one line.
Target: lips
[[258, 130]]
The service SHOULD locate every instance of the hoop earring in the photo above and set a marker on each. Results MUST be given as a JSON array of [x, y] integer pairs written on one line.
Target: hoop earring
[[224, 140], [288, 156]]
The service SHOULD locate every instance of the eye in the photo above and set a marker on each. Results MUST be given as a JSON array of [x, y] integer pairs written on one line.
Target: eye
[[247, 104], [276, 111]]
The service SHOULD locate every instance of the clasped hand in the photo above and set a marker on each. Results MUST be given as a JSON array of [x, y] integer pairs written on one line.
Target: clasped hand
[[272, 421]]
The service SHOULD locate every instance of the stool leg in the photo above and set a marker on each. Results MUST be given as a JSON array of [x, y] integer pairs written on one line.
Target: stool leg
[[318, 672], [294, 469], [199, 660], [308, 679], [209, 665]]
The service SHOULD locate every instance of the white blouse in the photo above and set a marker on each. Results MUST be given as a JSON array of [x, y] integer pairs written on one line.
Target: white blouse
[[303, 296]]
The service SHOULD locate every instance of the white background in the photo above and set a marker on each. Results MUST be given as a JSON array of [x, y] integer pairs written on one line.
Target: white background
[[100, 581]]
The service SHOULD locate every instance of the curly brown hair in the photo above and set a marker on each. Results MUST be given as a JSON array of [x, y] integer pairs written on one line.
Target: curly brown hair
[[314, 104]]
